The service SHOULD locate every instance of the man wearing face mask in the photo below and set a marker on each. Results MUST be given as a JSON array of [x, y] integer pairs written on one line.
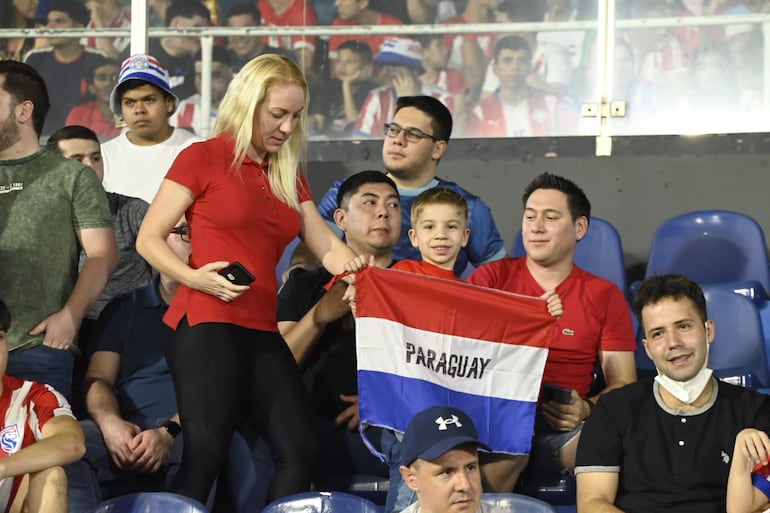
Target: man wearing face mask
[[665, 443]]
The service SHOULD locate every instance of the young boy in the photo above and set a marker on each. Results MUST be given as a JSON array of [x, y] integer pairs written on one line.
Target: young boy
[[335, 109], [136, 161], [439, 230]]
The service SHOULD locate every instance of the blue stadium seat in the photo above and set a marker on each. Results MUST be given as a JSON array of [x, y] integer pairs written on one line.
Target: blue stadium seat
[[322, 502], [738, 352], [600, 252], [516, 503], [370, 487], [551, 487], [150, 502], [713, 246], [285, 260]]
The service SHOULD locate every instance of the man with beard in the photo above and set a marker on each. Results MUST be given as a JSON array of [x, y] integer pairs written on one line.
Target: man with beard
[[51, 208], [416, 139]]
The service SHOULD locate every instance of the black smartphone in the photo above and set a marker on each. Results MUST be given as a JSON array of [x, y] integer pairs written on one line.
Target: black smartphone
[[237, 274], [556, 393]]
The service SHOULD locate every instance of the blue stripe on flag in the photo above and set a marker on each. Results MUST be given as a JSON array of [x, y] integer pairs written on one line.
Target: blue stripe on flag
[[505, 425]]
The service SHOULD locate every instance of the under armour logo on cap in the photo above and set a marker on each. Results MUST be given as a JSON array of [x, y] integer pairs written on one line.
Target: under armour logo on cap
[[436, 430], [443, 423]]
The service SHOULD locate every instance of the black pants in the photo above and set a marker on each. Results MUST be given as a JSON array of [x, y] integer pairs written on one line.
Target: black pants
[[223, 373]]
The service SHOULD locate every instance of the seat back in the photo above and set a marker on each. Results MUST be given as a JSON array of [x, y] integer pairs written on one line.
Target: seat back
[[600, 252], [150, 502], [516, 503], [711, 246], [322, 502], [285, 260], [739, 341]]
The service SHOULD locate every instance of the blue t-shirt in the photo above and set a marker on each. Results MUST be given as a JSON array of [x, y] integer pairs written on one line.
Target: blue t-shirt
[[485, 244], [132, 326]]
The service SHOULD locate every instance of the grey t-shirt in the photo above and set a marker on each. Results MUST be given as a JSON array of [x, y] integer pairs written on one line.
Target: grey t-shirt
[[132, 270], [44, 200]]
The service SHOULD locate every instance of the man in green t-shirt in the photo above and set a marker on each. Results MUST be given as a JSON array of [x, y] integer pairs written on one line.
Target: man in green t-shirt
[[50, 208]]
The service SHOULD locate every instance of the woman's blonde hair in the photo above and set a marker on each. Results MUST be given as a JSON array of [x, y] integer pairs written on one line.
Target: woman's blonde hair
[[235, 116]]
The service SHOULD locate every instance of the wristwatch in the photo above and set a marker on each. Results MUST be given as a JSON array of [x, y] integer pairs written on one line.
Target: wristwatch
[[172, 427]]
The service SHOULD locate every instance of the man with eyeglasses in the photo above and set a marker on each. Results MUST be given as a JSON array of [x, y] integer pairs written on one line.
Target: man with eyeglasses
[[131, 434], [415, 142]]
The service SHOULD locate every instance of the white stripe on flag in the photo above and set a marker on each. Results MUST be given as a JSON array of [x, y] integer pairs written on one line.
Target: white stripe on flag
[[505, 371]]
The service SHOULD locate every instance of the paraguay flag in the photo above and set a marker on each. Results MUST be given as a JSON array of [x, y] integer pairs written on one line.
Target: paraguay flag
[[423, 341]]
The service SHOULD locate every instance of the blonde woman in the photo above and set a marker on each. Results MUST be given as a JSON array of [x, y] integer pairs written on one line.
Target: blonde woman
[[245, 200]]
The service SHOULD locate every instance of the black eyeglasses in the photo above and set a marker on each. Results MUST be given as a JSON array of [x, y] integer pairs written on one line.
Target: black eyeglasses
[[413, 135], [183, 231]]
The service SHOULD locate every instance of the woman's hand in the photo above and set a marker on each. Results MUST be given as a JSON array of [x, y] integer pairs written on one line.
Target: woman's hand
[[207, 279]]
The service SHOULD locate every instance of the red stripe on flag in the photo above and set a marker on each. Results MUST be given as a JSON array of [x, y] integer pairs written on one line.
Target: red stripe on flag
[[453, 308]]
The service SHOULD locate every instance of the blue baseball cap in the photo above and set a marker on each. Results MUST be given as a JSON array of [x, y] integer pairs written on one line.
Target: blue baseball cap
[[147, 69], [436, 430]]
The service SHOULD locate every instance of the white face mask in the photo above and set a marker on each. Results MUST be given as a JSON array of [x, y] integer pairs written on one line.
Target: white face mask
[[688, 391]]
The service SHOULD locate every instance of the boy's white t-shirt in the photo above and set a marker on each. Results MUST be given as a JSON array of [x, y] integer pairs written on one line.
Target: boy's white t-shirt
[[138, 171]]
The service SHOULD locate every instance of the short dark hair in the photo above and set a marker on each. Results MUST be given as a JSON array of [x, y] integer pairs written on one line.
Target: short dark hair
[[74, 9], [354, 182], [218, 54], [186, 9], [245, 8], [577, 201], [24, 83], [668, 286], [513, 43], [426, 39], [69, 132], [441, 118], [5, 316], [106, 62], [358, 47]]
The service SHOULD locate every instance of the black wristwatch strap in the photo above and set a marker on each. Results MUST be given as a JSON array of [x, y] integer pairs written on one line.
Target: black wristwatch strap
[[172, 427]]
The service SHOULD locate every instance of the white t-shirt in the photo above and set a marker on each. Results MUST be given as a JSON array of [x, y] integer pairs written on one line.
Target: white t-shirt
[[138, 171], [517, 119]]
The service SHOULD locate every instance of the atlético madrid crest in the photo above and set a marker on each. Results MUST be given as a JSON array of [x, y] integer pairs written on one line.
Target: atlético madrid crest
[[9, 439]]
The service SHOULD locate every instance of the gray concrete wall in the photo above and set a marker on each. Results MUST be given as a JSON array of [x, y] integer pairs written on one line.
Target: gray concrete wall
[[647, 180]]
